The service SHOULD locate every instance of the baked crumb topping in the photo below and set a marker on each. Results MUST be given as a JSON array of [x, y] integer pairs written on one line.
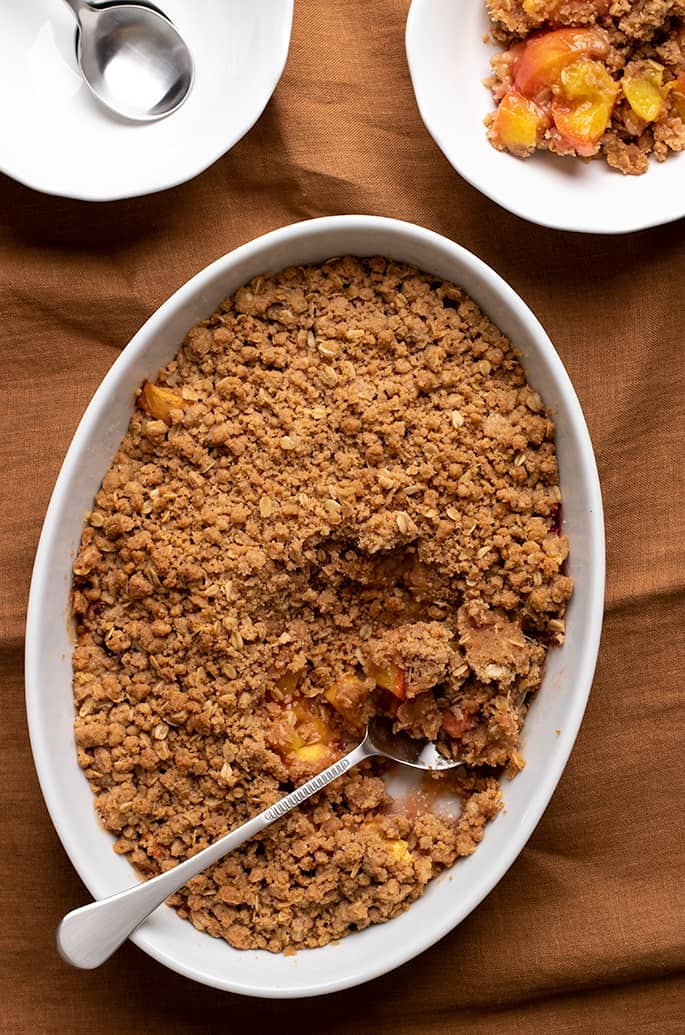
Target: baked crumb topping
[[339, 499]]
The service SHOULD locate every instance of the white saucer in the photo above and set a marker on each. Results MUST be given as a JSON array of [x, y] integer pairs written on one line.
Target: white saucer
[[58, 139], [448, 61]]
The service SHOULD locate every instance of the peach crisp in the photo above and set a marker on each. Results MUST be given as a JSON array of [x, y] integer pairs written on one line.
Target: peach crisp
[[589, 77], [339, 499]]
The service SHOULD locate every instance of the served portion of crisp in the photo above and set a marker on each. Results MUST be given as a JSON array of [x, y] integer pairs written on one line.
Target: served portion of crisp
[[339, 499], [589, 77]]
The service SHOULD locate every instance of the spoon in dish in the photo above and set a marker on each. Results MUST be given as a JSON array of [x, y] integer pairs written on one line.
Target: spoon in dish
[[133, 58], [88, 936]]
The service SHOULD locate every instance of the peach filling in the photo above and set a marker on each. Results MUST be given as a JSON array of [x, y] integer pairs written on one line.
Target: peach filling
[[677, 93], [304, 733], [538, 68], [391, 678], [160, 402], [519, 124], [308, 740], [583, 105], [455, 723], [560, 88], [645, 92]]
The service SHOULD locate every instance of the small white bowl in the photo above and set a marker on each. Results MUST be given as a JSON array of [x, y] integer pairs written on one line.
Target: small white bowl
[[448, 61], [58, 139], [554, 717]]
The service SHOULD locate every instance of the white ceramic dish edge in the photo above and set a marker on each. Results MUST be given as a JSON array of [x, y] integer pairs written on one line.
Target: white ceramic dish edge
[[96, 193], [154, 344]]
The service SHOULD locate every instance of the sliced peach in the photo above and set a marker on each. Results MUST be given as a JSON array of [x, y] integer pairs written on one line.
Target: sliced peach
[[677, 92], [399, 849], [289, 680], [301, 724], [455, 722], [314, 754], [313, 730], [294, 741], [332, 695], [644, 90], [389, 677], [518, 125], [303, 738], [347, 693], [539, 67], [583, 106], [160, 402]]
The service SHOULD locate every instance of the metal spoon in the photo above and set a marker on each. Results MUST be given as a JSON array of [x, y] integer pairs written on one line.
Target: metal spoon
[[133, 58], [89, 935]]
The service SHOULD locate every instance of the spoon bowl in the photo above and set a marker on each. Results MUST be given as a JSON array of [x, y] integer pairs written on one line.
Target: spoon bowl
[[400, 747], [133, 59], [89, 935]]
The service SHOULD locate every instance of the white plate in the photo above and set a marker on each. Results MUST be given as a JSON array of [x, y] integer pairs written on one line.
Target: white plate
[[553, 720], [58, 139], [448, 61]]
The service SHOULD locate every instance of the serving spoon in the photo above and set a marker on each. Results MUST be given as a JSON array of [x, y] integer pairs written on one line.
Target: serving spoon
[[133, 58], [88, 936]]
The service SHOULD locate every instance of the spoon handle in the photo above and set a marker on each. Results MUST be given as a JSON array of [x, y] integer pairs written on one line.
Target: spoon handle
[[88, 936]]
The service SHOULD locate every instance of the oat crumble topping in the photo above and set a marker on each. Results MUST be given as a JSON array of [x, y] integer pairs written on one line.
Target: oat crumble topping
[[340, 498]]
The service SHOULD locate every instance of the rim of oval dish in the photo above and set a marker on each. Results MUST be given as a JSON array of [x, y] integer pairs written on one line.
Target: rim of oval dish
[[500, 199], [366, 969], [206, 163]]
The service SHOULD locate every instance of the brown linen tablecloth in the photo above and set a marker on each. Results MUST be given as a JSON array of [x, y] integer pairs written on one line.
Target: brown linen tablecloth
[[586, 931]]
